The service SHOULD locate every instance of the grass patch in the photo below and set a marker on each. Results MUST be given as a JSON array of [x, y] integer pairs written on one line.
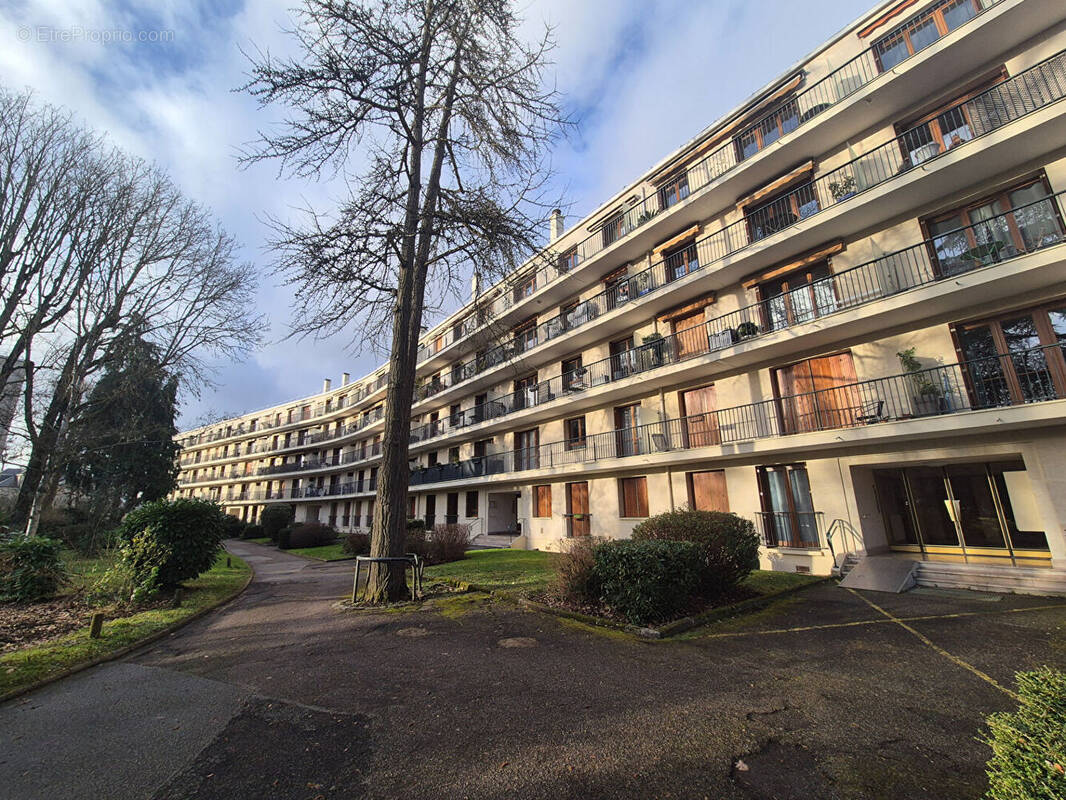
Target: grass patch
[[24, 667], [515, 572], [325, 552], [765, 582], [260, 540]]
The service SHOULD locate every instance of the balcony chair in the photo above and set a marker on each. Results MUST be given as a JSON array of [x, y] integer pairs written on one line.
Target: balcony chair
[[871, 412]]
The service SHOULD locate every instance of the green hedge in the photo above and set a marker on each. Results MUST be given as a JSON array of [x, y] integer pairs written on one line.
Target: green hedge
[[729, 544], [30, 568], [647, 581], [274, 518], [1029, 745]]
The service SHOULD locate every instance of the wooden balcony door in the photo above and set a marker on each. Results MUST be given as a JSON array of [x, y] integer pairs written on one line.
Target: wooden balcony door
[[699, 408], [627, 436], [818, 394], [690, 334], [577, 507]]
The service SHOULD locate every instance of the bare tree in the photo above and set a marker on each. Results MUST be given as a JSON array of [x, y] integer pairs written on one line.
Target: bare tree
[[436, 114], [158, 265]]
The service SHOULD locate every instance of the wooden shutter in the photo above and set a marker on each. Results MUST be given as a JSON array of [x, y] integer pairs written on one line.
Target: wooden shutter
[[699, 407], [542, 501], [635, 497], [708, 490]]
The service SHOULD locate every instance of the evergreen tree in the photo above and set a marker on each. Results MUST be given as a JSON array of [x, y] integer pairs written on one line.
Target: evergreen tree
[[121, 442]]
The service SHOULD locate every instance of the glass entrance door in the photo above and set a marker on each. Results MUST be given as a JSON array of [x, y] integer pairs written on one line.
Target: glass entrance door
[[971, 512]]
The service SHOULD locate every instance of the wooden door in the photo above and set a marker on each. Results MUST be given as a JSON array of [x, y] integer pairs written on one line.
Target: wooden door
[[699, 407], [690, 334], [577, 506], [707, 490]]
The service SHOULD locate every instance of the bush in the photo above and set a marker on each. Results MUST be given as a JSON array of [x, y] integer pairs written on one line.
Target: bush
[[73, 527], [647, 581], [30, 568], [283, 538], [234, 527], [309, 534], [729, 543], [273, 519], [252, 532], [357, 543], [575, 581], [443, 544], [170, 541], [1029, 745]]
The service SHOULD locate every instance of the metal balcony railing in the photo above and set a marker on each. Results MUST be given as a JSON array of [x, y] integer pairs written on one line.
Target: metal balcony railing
[[945, 256], [1029, 91], [795, 529], [784, 118], [1015, 378]]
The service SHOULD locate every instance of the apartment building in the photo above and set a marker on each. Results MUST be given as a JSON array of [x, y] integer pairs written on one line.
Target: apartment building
[[839, 311]]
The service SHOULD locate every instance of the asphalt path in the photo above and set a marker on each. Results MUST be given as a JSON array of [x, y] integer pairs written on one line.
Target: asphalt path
[[282, 694]]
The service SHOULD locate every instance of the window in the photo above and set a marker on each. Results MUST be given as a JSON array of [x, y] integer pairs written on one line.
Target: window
[[574, 433], [680, 262], [627, 436], [432, 459], [784, 119], [788, 516], [799, 296], [569, 260], [526, 449], [623, 358], [525, 335], [525, 287], [471, 504], [922, 30], [616, 288], [1016, 358], [573, 374], [412, 506], [1016, 220], [782, 211], [542, 501], [574, 314], [633, 496], [525, 392], [941, 129], [614, 229], [674, 190]]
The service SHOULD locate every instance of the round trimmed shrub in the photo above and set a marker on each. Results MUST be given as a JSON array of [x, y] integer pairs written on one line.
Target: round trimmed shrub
[[252, 531], [647, 581], [274, 518], [30, 568], [729, 543], [234, 527], [170, 541]]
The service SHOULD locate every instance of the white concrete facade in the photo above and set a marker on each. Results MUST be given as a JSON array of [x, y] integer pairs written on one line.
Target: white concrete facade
[[784, 318]]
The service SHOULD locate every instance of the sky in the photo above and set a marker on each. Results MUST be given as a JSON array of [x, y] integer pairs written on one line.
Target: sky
[[638, 77]]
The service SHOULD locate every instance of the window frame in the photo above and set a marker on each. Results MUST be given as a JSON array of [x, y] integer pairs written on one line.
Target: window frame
[[672, 186], [640, 495], [756, 131], [472, 494], [542, 492], [905, 28], [578, 441]]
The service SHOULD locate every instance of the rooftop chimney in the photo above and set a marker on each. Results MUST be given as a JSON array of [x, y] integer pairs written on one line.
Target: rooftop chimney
[[345, 378], [325, 385], [556, 224]]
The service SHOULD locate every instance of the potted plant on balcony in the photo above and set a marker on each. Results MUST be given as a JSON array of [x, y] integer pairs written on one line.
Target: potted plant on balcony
[[646, 216], [653, 351], [842, 189], [746, 330], [928, 396]]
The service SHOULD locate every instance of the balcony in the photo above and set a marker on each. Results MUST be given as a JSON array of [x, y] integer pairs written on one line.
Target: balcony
[[943, 257], [786, 117], [1020, 377], [988, 111]]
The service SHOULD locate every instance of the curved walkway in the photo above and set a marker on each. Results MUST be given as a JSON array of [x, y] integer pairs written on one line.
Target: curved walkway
[[279, 695]]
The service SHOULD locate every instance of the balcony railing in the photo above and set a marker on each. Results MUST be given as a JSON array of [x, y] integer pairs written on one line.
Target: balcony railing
[[1019, 377], [1005, 102], [784, 118], [944, 256], [795, 529]]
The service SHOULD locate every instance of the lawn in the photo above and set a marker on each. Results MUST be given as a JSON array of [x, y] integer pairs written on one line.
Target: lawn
[[260, 540], [325, 552], [510, 571], [26, 666]]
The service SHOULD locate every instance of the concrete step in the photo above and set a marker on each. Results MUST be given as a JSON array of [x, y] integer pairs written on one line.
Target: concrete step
[[992, 578], [851, 560], [492, 540]]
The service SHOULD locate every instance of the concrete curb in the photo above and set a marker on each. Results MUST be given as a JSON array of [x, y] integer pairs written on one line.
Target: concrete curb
[[127, 649], [677, 626]]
